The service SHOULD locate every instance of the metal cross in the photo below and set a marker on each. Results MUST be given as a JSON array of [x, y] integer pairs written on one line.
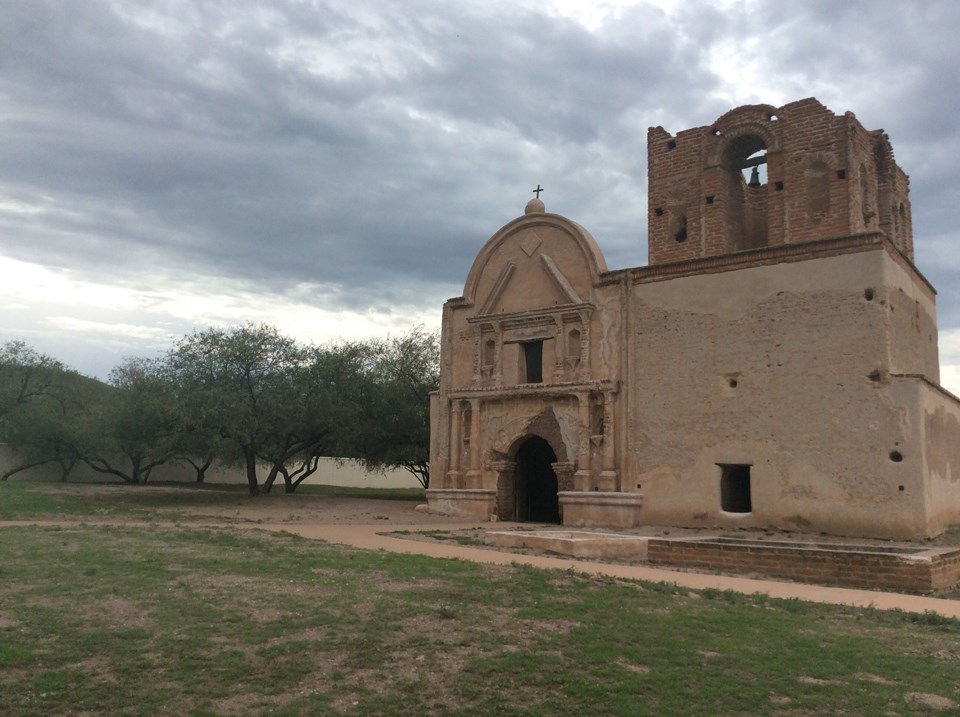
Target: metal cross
[[538, 190]]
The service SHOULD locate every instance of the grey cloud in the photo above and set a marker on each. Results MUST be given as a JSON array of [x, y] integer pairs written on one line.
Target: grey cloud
[[373, 147]]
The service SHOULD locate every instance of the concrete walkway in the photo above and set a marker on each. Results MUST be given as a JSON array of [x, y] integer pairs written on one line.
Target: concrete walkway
[[368, 537]]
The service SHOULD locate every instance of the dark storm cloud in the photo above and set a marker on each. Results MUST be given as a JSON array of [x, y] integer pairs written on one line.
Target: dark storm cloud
[[368, 149], [305, 143]]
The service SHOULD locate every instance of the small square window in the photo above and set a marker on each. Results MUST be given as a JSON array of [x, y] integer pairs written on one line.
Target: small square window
[[735, 489]]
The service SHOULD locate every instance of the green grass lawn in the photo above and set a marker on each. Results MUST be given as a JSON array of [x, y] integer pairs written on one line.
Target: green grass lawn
[[186, 621]]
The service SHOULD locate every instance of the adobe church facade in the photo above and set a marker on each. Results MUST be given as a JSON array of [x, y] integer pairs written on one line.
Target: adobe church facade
[[774, 365]]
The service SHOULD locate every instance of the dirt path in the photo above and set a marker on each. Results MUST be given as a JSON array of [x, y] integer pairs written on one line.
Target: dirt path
[[370, 537]]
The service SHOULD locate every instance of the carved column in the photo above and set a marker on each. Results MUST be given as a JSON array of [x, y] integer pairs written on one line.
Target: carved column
[[581, 480], [565, 479], [473, 473], [585, 366], [452, 479], [506, 505], [608, 472], [559, 349], [565, 475]]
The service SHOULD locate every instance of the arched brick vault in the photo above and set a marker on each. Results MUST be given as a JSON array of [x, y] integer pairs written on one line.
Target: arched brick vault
[[561, 432], [586, 243]]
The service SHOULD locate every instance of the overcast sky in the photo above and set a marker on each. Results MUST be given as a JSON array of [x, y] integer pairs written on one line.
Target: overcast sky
[[333, 167]]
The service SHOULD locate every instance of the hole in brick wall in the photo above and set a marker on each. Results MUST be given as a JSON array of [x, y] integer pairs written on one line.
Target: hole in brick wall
[[672, 144], [868, 294], [896, 456], [658, 211], [841, 174], [710, 199], [735, 489], [772, 117], [733, 383], [638, 486], [900, 488], [715, 132], [681, 234], [778, 186], [874, 375]]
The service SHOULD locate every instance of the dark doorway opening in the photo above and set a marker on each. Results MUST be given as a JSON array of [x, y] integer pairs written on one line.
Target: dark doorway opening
[[735, 489], [537, 499]]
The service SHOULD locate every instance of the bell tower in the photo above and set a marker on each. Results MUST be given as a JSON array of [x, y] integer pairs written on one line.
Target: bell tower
[[762, 176]]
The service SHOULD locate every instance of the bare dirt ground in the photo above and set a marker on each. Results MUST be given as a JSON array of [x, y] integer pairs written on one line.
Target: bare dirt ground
[[317, 509], [314, 509]]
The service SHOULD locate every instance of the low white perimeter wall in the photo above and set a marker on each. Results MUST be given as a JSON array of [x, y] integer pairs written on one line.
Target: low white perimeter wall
[[329, 472]]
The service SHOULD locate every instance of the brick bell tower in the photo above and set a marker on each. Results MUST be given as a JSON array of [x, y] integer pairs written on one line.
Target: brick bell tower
[[762, 176]]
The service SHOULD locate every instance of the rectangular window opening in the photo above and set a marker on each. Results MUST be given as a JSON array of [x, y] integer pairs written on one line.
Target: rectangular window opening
[[735, 489], [533, 361]]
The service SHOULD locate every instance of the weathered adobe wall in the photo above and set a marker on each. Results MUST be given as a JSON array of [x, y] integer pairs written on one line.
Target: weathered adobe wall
[[783, 368], [941, 458], [911, 320], [853, 569], [826, 177]]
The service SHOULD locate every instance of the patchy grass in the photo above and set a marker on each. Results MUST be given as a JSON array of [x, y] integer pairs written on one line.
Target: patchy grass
[[106, 620], [34, 500], [21, 500], [46, 500]]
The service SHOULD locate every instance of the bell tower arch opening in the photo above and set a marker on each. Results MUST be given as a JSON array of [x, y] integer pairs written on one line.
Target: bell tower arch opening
[[745, 159], [536, 483]]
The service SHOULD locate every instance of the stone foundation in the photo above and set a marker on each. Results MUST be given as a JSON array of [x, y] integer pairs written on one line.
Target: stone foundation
[[859, 566], [600, 509], [476, 503], [575, 543]]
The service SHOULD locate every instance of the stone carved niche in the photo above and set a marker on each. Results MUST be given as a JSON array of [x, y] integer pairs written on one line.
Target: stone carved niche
[[489, 356]]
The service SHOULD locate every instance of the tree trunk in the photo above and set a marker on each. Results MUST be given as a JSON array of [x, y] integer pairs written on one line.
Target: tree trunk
[[250, 459], [201, 471], [66, 468], [308, 468], [271, 478]]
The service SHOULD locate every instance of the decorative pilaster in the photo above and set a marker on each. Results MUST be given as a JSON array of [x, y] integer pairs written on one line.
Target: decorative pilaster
[[473, 472], [506, 500]]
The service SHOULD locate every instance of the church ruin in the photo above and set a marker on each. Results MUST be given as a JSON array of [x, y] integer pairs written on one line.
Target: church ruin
[[774, 365]]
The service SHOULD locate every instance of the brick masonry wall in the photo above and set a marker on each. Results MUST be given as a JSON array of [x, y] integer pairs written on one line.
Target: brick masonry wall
[[810, 565], [826, 177]]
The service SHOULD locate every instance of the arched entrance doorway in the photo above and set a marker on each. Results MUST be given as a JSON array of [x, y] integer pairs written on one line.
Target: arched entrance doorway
[[537, 500]]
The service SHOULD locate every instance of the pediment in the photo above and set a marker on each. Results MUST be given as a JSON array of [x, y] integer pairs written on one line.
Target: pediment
[[540, 284]]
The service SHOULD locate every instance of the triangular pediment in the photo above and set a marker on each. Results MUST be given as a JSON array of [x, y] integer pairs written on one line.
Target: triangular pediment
[[539, 284]]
